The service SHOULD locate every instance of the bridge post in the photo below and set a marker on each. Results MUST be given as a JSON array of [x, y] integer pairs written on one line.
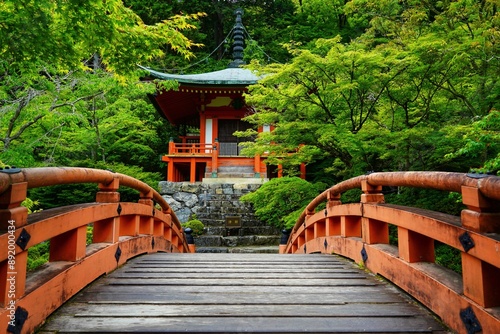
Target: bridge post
[[108, 230], [13, 217], [374, 231], [333, 224], [415, 247], [69, 246], [146, 224], [480, 279]]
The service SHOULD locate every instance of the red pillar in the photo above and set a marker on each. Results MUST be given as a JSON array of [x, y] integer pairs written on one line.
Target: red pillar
[[215, 157], [192, 170], [256, 167], [303, 171]]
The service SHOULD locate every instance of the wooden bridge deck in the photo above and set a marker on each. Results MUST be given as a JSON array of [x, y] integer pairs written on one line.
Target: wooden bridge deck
[[230, 293]]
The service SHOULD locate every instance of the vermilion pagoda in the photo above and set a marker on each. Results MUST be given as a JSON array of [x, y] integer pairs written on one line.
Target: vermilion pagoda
[[214, 104]]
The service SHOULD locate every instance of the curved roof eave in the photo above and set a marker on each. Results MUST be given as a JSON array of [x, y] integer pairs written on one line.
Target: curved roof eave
[[228, 76]]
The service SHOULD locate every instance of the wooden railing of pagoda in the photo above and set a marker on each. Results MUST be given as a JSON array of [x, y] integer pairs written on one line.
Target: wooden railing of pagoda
[[190, 149], [120, 231], [467, 303]]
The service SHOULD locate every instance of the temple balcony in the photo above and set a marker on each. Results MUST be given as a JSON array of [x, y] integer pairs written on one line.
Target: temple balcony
[[201, 162]]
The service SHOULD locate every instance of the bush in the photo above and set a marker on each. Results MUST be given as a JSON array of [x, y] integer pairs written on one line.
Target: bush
[[195, 224], [280, 201], [38, 255]]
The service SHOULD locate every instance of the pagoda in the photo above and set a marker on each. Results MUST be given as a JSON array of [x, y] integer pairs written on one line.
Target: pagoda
[[213, 104]]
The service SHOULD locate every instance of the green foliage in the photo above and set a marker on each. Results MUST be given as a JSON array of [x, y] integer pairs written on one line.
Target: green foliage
[[351, 196], [68, 88], [280, 201], [481, 144], [30, 204], [429, 199], [62, 195], [448, 257], [195, 224], [416, 90], [90, 234], [38, 255], [63, 33]]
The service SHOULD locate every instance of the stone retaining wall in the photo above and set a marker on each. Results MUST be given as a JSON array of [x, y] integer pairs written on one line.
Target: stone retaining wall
[[212, 203]]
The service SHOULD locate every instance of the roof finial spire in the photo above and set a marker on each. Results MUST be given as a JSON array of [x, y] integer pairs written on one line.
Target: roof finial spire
[[238, 40]]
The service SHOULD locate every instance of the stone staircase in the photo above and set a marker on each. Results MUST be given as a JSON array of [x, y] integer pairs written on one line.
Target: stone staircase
[[213, 202], [233, 172]]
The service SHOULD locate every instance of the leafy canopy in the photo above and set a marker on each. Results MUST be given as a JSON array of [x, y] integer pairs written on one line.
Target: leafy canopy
[[405, 94]]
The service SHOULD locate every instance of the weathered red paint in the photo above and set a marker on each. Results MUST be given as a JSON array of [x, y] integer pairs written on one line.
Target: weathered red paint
[[73, 264], [348, 229]]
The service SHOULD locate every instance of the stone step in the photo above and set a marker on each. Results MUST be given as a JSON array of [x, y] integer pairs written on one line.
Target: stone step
[[221, 214], [255, 249], [212, 250], [246, 250], [232, 175], [249, 184], [235, 169], [221, 222], [233, 172], [251, 230], [236, 241]]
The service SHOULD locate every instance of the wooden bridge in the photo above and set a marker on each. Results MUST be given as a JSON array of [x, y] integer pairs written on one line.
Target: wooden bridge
[[165, 291]]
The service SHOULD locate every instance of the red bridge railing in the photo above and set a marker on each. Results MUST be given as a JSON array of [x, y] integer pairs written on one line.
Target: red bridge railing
[[467, 303], [120, 231]]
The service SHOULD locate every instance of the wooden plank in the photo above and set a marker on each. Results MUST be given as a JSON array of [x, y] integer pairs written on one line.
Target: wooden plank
[[239, 298], [66, 324], [316, 291], [282, 310], [236, 275], [325, 282], [239, 268], [228, 293]]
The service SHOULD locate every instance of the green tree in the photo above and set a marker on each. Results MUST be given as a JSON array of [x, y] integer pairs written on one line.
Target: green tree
[[215, 28], [73, 57], [398, 97], [321, 100], [481, 143]]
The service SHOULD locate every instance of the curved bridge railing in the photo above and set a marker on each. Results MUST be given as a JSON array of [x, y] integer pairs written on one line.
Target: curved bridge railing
[[120, 231], [467, 303]]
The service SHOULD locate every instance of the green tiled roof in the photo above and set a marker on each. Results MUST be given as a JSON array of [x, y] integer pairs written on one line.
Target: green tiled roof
[[228, 76]]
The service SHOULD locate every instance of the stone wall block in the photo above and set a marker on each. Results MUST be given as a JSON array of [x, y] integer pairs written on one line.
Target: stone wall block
[[172, 202], [188, 199], [183, 214], [212, 203], [228, 191], [168, 188]]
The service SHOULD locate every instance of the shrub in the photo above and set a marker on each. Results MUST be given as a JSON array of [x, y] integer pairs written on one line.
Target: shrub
[[195, 224], [38, 255], [280, 201]]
